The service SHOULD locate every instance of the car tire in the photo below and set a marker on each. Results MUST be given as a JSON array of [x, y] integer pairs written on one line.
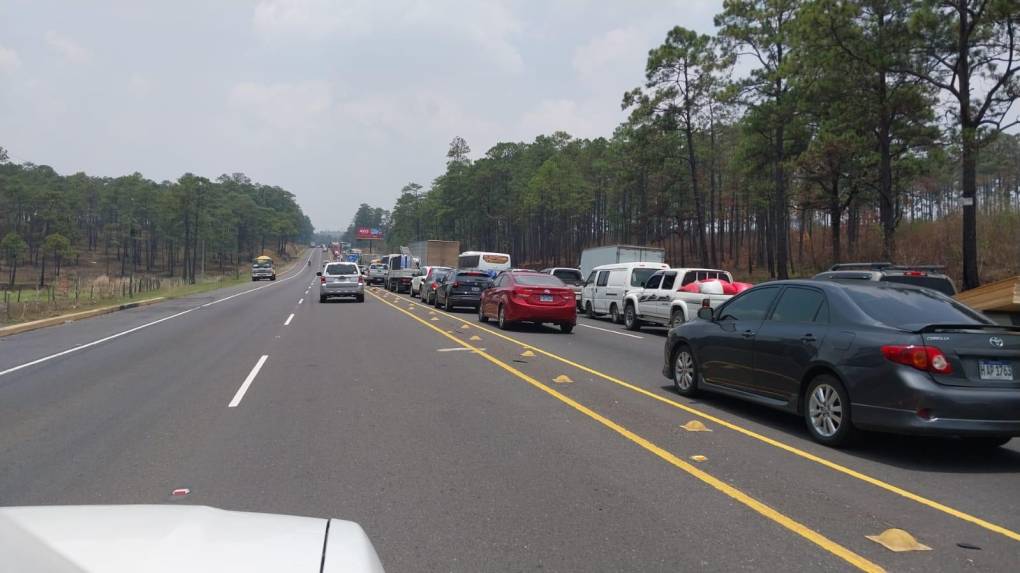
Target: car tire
[[322, 298], [446, 305], [360, 298], [501, 319], [676, 318], [685, 371], [272, 278], [630, 319], [566, 328], [481, 315], [986, 442], [827, 412], [614, 314]]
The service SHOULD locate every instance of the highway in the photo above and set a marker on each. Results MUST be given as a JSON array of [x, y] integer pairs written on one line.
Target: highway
[[459, 447]]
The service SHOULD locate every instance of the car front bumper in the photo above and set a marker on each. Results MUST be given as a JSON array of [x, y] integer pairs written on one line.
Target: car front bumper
[[910, 402]]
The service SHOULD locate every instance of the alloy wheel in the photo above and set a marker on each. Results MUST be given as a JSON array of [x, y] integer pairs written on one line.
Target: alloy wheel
[[683, 371], [826, 410]]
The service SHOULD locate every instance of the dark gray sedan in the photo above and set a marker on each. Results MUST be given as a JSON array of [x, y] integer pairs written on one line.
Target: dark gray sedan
[[849, 355]]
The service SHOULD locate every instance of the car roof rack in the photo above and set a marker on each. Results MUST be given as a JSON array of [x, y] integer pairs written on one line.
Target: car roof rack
[[884, 267]]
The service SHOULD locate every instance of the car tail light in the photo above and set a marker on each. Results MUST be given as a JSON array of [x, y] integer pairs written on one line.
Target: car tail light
[[361, 280], [925, 358], [915, 274], [433, 286], [322, 280]]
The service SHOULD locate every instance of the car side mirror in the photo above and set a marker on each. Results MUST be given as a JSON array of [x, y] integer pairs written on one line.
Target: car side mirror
[[318, 273], [706, 313]]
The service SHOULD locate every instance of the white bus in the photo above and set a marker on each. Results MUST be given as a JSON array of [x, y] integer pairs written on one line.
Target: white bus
[[491, 263]]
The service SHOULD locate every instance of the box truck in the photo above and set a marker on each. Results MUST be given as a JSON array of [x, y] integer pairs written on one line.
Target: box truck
[[613, 254]]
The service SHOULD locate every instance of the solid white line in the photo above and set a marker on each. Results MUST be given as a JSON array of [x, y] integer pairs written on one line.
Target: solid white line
[[93, 343], [610, 331], [289, 318], [301, 301], [135, 329], [459, 349], [247, 382]]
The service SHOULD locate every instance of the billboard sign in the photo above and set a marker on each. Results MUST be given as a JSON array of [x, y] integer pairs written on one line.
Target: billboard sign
[[369, 233]]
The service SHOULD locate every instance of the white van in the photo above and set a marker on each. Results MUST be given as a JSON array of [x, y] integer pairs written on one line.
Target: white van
[[607, 285], [491, 263]]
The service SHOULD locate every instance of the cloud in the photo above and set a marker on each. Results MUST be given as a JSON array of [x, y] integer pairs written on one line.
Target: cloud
[[9, 60], [577, 119], [266, 113], [71, 51], [488, 26], [616, 50], [309, 19]]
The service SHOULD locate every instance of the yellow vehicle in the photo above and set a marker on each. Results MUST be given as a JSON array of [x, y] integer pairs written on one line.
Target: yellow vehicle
[[262, 268]]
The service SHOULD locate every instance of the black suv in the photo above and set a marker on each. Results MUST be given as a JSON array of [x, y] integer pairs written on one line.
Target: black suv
[[928, 276]]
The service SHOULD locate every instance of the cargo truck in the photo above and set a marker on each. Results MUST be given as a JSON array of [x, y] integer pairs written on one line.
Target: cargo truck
[[435, 253], [614, 254]]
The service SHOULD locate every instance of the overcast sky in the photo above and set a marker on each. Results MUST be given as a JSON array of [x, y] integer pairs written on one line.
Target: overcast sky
[[341, 102]]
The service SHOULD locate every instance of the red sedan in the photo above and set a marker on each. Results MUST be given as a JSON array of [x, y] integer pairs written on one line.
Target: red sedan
[[528, 296]]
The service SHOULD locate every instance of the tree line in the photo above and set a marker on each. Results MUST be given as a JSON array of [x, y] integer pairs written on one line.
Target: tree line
[[138, 225], [853, 115]]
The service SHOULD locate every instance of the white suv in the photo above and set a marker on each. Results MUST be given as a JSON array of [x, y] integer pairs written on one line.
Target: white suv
[[341, 279]]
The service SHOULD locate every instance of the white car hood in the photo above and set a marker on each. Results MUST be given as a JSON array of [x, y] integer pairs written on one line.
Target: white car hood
[[165, 538]]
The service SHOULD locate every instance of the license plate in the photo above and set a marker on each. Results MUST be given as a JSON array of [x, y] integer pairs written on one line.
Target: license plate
[[475, 289], [545, 298], [339, 280], [995, 370]]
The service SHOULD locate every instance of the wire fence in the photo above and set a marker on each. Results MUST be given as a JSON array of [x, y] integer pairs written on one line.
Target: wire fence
[[68, 293]]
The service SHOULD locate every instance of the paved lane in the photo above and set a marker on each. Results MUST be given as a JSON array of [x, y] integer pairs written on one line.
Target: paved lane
[[457, 458]]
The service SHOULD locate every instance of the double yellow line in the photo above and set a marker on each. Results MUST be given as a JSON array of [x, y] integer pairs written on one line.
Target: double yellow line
[[930, 503], [761, 508]]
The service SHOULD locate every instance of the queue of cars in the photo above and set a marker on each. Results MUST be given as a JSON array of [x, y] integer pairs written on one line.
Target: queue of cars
[[862, 347]]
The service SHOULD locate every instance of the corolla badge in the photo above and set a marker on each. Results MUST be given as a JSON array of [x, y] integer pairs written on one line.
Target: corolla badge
[[996, 342]]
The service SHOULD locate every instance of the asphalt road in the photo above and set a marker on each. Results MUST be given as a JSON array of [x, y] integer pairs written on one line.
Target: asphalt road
[[457, 453]]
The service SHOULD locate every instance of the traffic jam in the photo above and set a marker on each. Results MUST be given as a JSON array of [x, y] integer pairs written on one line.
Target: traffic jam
[[862, 348]]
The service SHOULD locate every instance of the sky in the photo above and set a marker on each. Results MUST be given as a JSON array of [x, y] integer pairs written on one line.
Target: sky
[[339, 102]]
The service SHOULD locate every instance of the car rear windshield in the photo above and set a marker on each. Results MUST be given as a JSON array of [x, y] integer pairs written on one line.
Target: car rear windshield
[[911, 308], [640, 276], [473, 276], [538, 279], [940, 284], [341, 269], [569, 276]]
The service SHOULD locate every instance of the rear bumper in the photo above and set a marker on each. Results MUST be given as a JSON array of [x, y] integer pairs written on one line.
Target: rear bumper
[[342, 290], [563, 314], [951, 410], [464, 299]]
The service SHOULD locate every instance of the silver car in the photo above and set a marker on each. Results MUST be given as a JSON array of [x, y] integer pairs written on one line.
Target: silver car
[[341, 279]]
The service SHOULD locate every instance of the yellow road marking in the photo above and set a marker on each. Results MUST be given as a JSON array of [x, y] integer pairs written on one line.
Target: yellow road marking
[[761, 508], [930, 503]]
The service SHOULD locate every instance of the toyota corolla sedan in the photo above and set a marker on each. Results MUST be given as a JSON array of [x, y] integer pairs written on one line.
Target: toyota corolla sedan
[[856, 355], [528, 296]]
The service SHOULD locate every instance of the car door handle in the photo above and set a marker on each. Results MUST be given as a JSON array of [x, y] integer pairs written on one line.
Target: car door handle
[[747, 333], [808, 338]]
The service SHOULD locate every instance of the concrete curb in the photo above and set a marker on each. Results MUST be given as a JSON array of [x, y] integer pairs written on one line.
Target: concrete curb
[[43, 323]]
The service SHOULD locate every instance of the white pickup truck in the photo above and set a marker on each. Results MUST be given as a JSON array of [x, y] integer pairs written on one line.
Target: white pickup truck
[[667, 300]]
